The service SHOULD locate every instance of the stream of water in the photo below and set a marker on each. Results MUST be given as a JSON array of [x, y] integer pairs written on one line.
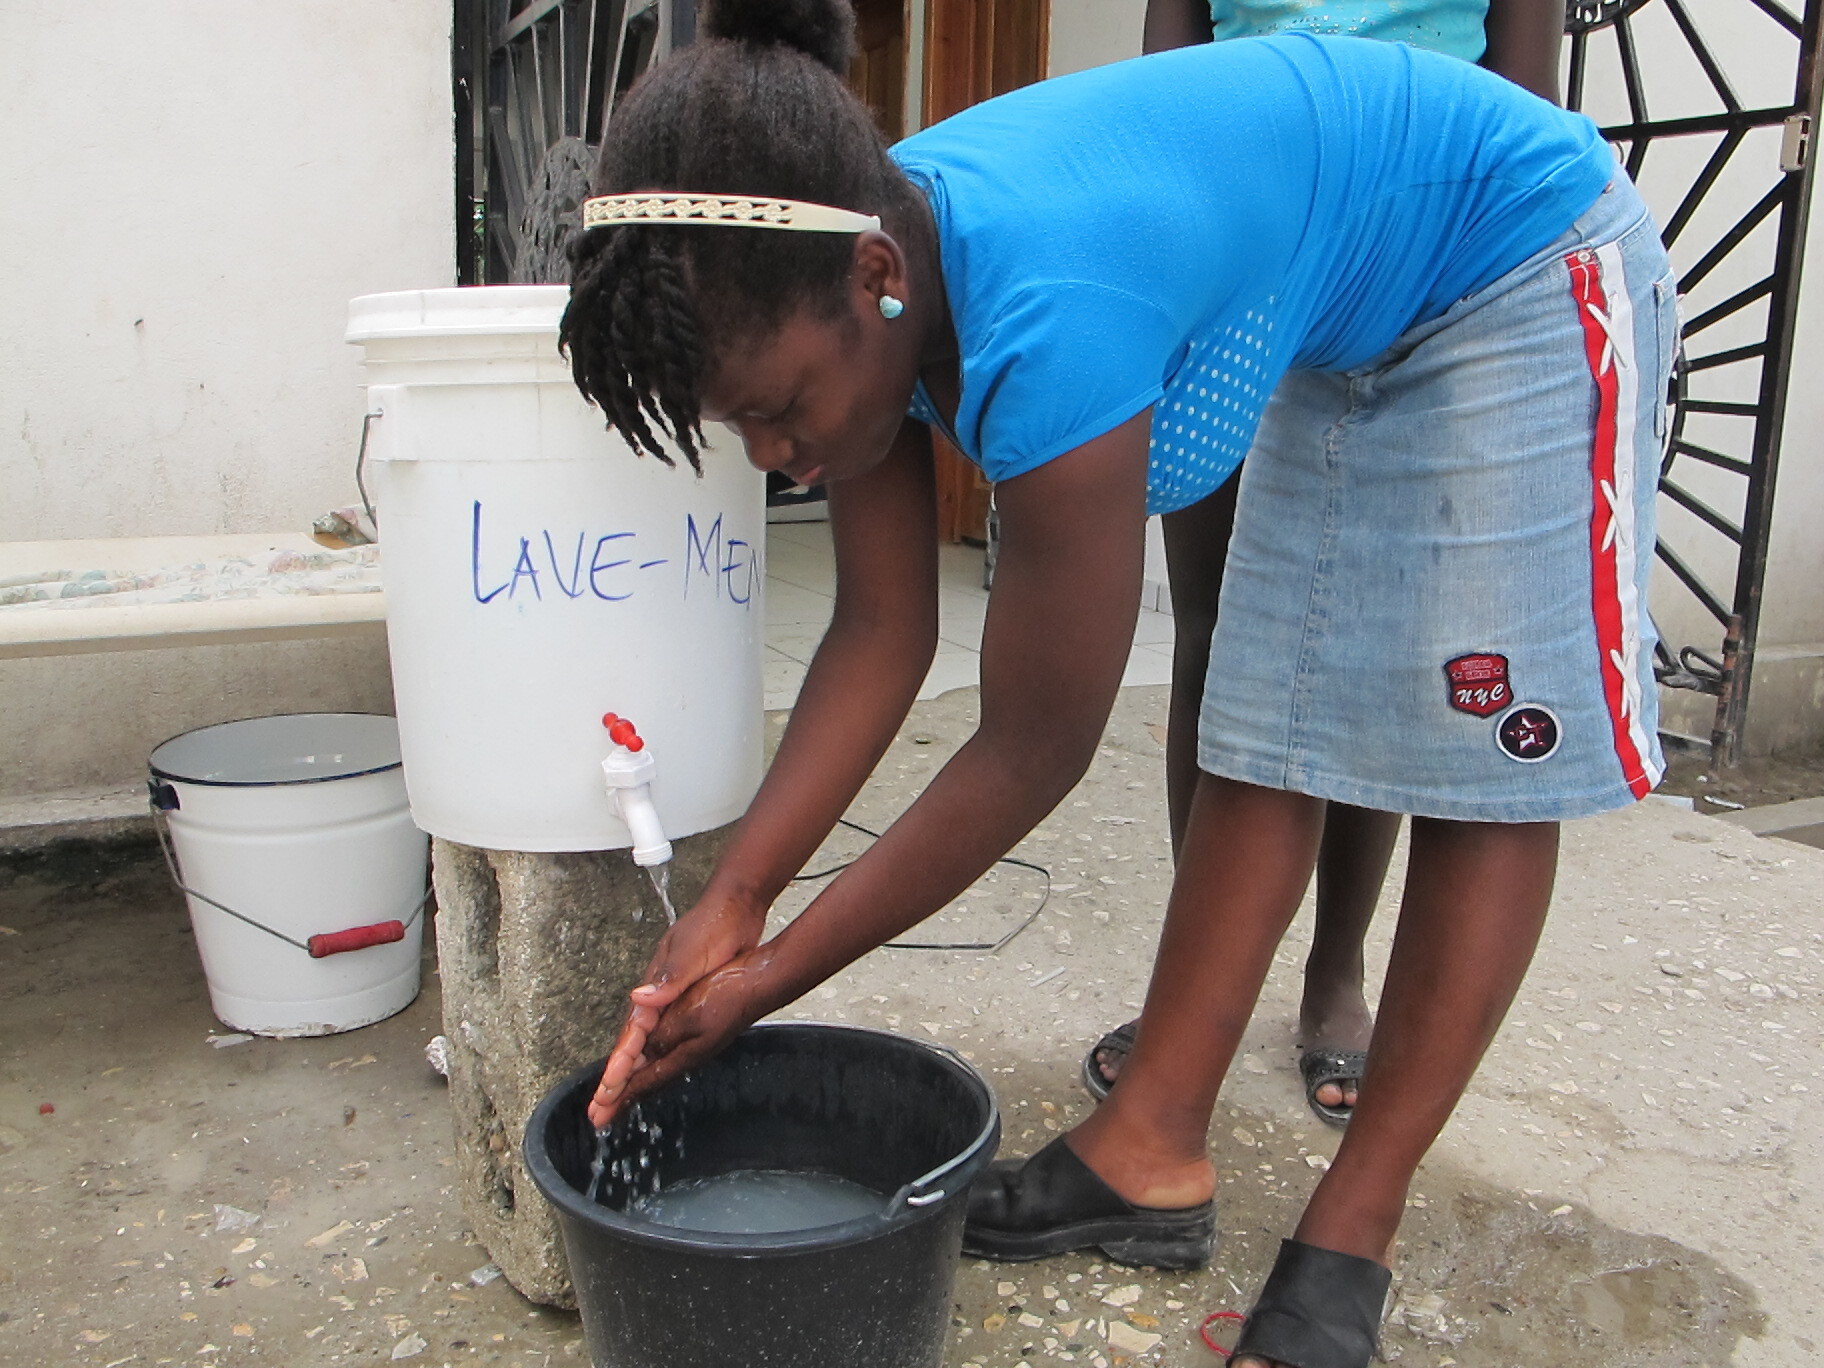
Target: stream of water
[[661, 884]]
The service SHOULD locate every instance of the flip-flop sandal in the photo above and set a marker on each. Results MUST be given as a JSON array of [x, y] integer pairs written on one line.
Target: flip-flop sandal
[[1317, 1309], [1053, 1203], [1121, 1041], [1331, 1066]]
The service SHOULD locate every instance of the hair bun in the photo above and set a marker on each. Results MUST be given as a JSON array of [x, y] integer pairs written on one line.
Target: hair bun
[[824, 30]]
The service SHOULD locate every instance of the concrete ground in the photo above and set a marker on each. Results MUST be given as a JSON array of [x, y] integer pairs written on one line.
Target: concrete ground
[[1634, 1178]]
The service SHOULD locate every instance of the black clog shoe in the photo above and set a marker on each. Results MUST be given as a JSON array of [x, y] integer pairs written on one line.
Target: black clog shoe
[[1053, 1203]]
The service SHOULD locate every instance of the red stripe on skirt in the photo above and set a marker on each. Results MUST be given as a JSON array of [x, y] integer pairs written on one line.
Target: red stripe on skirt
[[1587, 290]]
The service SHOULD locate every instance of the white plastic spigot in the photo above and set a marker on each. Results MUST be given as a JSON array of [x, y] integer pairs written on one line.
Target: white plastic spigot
[[628, 770]]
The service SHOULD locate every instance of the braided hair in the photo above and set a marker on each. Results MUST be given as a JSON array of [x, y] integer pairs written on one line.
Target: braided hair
[[756, 107]]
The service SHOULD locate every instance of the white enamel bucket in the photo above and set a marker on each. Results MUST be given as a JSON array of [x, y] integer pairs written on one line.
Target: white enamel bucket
[[305, 876]]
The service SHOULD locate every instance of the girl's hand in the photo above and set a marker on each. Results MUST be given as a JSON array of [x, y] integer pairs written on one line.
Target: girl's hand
[[657, 1046], [712, 935]]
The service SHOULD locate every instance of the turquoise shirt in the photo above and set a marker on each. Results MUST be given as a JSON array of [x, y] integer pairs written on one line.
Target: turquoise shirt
[[1178, 230], [1453, 27]]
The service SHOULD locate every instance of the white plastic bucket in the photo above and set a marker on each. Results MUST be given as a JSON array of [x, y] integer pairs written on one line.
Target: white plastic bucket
[[287, 829], [538, 575]]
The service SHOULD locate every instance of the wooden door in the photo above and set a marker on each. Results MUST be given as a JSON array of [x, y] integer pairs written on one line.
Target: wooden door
[[878, 73], [975, 49]]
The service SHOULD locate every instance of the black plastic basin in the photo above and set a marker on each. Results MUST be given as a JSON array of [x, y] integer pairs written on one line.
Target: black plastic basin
[[911, 1121]]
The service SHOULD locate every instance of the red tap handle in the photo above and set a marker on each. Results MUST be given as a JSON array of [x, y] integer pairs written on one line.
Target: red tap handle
[[355, 938], [621, 732]]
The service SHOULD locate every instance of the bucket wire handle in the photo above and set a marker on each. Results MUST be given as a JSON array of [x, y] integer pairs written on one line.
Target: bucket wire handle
[[164, 799], [367, 421], [918, 1192]]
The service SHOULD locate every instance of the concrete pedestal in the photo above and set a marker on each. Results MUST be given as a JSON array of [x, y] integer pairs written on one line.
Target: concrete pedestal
[[537, 954]]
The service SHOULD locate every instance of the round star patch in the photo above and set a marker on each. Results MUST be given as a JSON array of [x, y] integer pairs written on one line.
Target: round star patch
[[1528, 733]]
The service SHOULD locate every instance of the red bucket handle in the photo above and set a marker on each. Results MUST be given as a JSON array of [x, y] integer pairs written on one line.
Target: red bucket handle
[[355, 938]]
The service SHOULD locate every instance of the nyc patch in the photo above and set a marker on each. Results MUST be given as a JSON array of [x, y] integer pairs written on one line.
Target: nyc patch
[[1479, 684]]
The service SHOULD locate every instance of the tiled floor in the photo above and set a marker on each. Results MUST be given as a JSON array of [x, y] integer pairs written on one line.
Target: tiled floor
[[800, 583]]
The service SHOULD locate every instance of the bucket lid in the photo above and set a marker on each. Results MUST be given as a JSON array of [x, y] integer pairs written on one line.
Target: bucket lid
[[460, 311], [295, 748]]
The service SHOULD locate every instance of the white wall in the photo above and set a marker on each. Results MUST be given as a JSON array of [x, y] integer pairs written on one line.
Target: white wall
[[194, 189], [1087, 33]]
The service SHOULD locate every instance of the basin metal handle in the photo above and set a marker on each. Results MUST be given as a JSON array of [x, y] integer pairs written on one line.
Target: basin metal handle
[[919, 1192]]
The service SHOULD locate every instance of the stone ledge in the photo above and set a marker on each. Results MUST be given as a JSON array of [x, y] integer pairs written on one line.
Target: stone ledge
[[39, 820], [1801, 820]]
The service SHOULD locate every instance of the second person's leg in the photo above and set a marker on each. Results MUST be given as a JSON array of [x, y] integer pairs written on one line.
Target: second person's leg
[[1196, 544], [1333, 1018]]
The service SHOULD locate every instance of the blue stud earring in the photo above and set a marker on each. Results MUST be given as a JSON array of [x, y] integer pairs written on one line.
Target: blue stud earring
[[890, 307]]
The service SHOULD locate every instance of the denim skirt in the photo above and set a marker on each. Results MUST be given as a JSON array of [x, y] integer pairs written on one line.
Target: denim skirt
[[1436, 594]]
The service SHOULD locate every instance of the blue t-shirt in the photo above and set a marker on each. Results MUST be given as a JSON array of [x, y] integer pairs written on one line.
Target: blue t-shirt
[[1454, 27], [1178, 230]]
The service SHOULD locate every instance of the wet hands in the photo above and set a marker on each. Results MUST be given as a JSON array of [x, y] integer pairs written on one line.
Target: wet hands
[[658, 1045], [702, 988]]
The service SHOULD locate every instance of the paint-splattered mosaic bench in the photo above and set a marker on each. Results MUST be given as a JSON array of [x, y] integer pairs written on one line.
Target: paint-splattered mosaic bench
[[135, 593]]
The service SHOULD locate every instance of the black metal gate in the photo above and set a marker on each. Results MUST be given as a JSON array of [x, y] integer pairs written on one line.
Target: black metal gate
[[1737, 80], [536, 82]]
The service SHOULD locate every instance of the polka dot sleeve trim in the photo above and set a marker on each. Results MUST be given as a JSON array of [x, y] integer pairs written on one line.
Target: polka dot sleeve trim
[[1205, 422]]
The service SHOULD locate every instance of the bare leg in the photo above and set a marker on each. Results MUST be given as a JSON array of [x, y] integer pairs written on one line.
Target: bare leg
[[1241, 875], [1357, 843], [1351, 867], [1476, 898], [1475, 901]]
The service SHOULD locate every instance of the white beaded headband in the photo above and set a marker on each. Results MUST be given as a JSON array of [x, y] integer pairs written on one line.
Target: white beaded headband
[[725, 210]]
